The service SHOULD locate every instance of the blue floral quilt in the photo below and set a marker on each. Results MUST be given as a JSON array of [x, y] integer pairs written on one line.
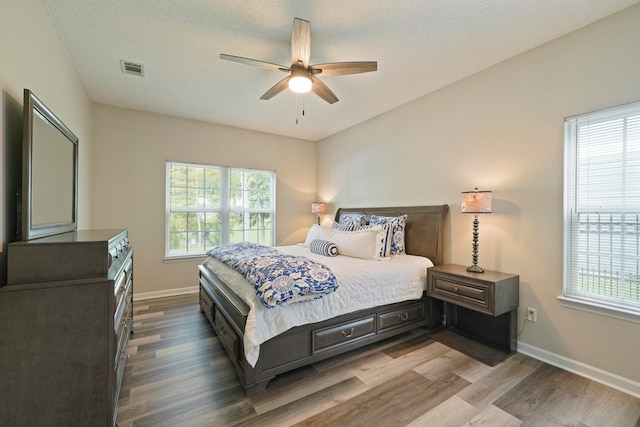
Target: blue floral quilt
[[278, 278]]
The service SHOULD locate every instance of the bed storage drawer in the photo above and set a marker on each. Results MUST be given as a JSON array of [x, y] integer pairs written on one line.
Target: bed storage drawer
[[326, 338], [206, 305], [226, 334], [401, 316]]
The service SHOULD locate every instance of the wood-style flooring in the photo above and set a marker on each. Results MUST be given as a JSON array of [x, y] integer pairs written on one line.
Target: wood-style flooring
[[179, 375]]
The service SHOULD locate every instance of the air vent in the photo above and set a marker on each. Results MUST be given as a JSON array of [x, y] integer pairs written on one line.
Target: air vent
[[129, 67]]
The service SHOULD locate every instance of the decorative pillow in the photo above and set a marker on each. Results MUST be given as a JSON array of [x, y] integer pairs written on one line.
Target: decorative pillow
[[396, 231], [356, 220], [385, 244], [317, 232], [366, 243], [346, 227], [323, 247]]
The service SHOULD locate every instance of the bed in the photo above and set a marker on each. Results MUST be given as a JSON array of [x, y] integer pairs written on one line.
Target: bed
[[232, 315]]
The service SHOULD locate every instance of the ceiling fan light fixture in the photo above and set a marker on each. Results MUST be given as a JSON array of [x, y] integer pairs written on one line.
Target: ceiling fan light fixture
[[300, 84], [302, 76]]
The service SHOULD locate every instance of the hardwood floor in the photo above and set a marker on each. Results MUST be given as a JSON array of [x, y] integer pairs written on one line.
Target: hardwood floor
[[179, 375]]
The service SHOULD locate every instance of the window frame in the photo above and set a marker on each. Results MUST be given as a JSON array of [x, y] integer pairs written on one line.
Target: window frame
[[576, 231], [224, 209]]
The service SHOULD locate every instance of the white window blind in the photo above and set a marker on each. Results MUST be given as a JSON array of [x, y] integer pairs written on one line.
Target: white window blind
[[602, 208]]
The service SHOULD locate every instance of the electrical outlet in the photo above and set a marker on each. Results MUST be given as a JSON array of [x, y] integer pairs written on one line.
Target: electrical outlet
[[532, 314]]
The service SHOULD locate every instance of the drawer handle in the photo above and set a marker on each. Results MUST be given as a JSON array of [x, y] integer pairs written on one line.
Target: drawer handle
[[348, 334], [404, 316], [456, 289], [222, 330]]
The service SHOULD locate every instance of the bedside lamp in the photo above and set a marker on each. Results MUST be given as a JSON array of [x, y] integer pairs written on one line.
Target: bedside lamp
[[318, 208], [476, 202]]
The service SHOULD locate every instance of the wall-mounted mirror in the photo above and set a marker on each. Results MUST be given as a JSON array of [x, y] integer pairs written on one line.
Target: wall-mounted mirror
[[49, 173]]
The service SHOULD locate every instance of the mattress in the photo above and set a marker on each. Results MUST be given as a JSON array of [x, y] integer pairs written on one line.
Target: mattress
[[362, 284]]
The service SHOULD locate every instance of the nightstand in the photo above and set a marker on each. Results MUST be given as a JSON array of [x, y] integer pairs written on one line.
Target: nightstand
[[480, 311]]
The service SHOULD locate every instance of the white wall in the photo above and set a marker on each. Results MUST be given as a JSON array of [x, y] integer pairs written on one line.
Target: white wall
[[131, 148], [502, 130], [32, 57]]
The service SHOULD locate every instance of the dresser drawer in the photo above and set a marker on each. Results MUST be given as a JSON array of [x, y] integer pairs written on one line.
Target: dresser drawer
[[123, 303], [401, 316], [326, 338], [122, 280]]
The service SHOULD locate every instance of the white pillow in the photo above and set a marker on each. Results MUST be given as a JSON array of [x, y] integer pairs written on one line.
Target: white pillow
[[366, 243], [317, 232]]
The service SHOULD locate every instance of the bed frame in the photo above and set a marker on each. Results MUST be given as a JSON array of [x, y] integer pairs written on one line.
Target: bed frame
[[307, 344]]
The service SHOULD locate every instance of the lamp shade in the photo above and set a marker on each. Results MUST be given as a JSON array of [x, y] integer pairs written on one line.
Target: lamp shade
[[318, 207], [476, 201]]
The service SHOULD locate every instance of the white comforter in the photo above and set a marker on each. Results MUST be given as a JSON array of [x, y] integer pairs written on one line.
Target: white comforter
[[361, 284]]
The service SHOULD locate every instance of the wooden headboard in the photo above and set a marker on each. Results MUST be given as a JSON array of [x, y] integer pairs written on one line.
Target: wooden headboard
[[424, 227]]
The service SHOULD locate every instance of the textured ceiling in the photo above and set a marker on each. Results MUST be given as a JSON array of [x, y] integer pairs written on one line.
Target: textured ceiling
[[420, 46]]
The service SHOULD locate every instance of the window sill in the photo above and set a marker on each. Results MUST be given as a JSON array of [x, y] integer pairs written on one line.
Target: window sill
[[616, 313], [184, 258]]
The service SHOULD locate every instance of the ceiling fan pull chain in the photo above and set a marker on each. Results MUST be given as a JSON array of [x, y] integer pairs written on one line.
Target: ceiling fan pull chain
[[297, 104]]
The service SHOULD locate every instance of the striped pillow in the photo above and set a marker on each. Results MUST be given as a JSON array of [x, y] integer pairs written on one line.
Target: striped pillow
[[323, 247]]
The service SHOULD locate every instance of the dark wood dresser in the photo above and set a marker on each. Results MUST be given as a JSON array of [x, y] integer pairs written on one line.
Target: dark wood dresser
[[65, 321]]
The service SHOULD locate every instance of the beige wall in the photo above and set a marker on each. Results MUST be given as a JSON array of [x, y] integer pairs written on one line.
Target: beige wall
[[502, 130], [32, 57], [129, 181]]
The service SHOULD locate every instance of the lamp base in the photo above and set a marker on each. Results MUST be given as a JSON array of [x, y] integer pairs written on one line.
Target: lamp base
[[475, 268]]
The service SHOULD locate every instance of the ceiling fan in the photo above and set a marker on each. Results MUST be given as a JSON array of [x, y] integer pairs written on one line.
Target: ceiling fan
[[302, 76]]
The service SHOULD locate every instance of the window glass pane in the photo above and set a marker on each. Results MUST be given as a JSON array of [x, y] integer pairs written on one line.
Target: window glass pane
[[236, 189], [178, 197], [236, 227], [212, 189], [195, 177], [259, 190], [178, 232], [178, 176]]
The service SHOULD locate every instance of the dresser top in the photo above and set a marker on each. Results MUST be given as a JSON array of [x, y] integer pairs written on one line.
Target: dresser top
[[77, 236]]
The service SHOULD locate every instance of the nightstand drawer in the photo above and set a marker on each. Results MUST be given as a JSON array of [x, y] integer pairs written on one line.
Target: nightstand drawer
[[457, 292]]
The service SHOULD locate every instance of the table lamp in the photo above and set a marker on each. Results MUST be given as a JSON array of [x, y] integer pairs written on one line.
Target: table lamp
[[476, 202]]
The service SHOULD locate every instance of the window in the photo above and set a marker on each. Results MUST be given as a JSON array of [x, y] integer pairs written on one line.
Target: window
[[602, 209], [210, 205]]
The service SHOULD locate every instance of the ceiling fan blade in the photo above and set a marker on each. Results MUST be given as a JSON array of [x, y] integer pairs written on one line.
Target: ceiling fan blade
[[276, 89], [301, 42], [255, 62], [323, 91], [342, 68]]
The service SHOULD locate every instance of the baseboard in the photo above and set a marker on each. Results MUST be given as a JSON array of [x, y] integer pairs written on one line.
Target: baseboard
[[167, 293], [603, 377]]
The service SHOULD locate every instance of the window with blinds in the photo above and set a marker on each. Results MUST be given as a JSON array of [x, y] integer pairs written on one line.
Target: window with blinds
[[602, 209]]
